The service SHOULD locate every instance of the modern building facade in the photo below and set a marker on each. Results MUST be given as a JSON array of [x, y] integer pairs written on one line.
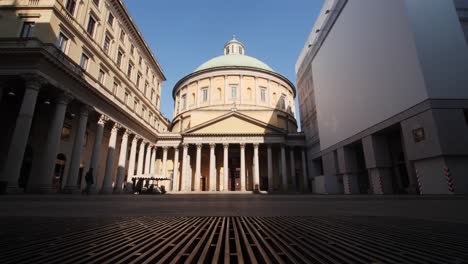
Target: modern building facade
[[383, 98], [234, 129], [79, 91]]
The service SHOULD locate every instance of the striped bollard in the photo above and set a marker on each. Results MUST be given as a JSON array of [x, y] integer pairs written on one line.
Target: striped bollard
[[448, 176], [419, 183]]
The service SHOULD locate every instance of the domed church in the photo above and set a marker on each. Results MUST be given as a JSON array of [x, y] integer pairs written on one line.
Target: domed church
[[234, 129]]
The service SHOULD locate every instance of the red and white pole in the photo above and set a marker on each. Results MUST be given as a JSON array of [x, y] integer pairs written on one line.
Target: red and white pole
[[419, 183], [450, 184]]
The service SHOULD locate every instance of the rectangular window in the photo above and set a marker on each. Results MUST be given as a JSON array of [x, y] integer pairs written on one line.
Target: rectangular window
[[184, 101], [62, 42], [126, 98], [135, 105], [157, 101], [234, 92], [263, 94], [70, 6], [138, 81], [140, 60], [122, 36], [115, 89], [91, 26], [143, 112], [27, 30], [205, 94], [119, 58], [84, 61], [132, 50], [110, 20], [101, 76], [107, 43], [129, 70], [147, 69], [283, 102], [152, 94]]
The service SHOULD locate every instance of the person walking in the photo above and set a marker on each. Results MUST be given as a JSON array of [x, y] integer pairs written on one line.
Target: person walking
[[89, 181]]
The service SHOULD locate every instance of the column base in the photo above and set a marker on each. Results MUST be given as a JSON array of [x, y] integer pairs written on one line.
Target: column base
[[350, 184], [380, 180], [71, 190], [106, 190], [40, 189]]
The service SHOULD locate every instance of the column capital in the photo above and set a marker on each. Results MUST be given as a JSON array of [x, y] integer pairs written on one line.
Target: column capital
[[85, 109], [115, 128], [33, 81], [126, 133], [199, 145], [225, 145], [256, 145], [242, 145], [268, 146], [63, 98], [212, 145], [103, 120], [175, 147], [165, 148], [185, 145]]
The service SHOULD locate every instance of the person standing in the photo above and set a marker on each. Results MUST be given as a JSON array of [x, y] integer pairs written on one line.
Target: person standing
[[89, 181]]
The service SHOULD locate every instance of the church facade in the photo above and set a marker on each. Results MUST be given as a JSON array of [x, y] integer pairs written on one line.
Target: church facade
[[234, 129]]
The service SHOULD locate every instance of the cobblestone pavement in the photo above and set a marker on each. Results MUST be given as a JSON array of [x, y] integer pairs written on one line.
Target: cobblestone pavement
[[233, 229]]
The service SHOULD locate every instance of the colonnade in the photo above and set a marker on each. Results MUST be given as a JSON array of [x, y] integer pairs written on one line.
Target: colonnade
[[40, 180], [185, 176]]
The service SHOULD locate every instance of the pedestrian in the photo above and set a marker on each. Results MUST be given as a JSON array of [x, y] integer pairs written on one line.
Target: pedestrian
[[89, 181]]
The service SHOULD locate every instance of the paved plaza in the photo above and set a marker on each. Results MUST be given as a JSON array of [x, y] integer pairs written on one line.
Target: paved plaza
[[233, 228]]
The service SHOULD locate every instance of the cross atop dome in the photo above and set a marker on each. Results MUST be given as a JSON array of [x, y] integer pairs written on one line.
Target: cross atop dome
[[234, 47]]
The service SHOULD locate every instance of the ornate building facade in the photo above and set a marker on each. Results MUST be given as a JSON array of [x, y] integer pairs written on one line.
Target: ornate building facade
[[79, 91], [234, 120]]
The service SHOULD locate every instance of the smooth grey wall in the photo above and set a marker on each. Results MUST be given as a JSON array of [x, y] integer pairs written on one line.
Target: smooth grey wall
[[441, 46], [369, 67]]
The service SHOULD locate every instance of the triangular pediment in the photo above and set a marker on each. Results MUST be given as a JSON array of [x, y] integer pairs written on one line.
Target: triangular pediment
[[234, 123]]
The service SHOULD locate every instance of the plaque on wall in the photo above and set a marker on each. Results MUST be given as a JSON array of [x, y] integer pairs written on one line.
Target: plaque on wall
[[418, 134]]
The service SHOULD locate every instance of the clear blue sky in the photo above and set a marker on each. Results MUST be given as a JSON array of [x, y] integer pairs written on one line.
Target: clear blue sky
[[184, 34]]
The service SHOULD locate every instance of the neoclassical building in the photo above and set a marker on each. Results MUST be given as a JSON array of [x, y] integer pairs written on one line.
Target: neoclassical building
[[79, 90], [234, 129]]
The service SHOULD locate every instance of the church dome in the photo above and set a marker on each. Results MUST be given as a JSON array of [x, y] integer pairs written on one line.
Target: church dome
[[234, 56]]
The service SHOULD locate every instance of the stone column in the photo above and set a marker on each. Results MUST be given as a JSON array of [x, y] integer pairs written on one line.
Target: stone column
[[305, 178], [348, 167], [148, 159], [184, 182], [108, 177], [122, 162], [242, 172], [256, 172], [141, 156], [378, 163], [41, 181], [175, 178], [270, 169], [75, 160], [94, 164], [292, 160], [212, 168], [198, 168], [284, 176], [131, 164], [226, 166], [19, 140], [153, 162], [164, 163]]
